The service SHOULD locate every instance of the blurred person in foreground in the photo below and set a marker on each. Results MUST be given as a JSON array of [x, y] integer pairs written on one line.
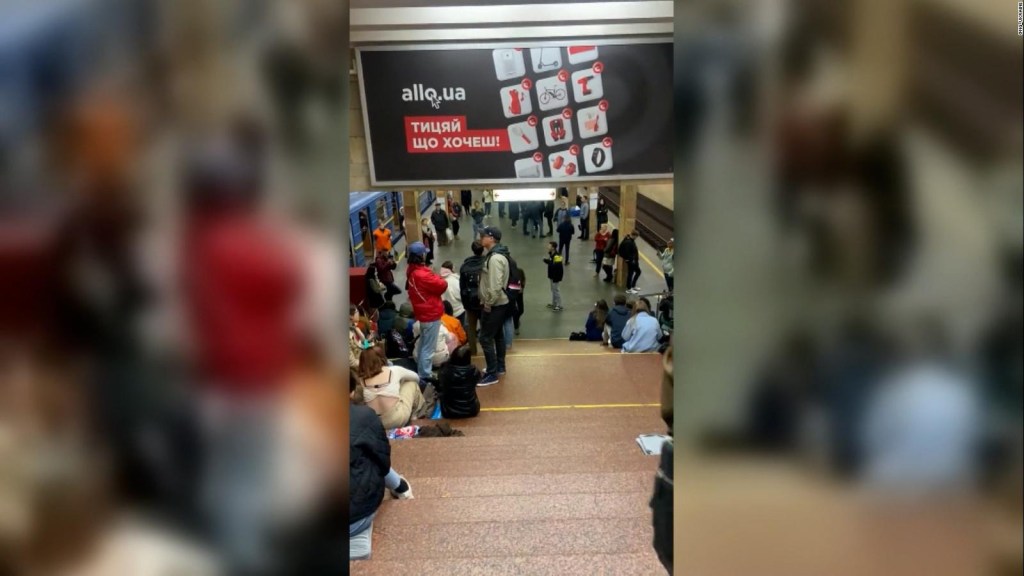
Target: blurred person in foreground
[[662, 500], [242, 285]]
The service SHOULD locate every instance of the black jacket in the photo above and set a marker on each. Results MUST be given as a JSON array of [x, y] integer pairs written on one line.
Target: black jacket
[[458, 391], [556, 270], [566, 230], [369, 461], [627, 249], [440, 220]]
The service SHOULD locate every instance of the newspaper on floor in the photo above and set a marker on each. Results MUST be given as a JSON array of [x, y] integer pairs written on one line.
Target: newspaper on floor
[[651, 443]]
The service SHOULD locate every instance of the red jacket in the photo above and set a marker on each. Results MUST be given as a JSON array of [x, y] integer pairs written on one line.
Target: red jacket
[[243, 285], [425, 288]]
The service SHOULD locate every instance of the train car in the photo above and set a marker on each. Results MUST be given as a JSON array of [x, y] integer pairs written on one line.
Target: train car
[[366, 211]]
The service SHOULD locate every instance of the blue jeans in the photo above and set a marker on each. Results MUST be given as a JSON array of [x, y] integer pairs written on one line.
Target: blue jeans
[[428, 343], [391, 481]]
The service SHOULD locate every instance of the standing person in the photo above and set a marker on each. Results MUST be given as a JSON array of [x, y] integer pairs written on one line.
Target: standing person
[[425, 289], [602, 212], [477, 214], [488, 197], [429, 238], [467, 200], [516, 282], [555, 274], [611, 250], [375, 289], [668, 263], [439, 218], [469, 288], [584, 217], [494, 279], [242, 287], [562, 211], [516, 299], [513, 212], [565, 234], [631, 256], [501, 210], [453, 295], [455, 213], [600, 244], [529, 218], [549, 215], [382, 239], [385, 265]]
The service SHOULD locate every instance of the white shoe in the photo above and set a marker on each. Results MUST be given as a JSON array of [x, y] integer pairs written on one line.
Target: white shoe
[[407, 495]]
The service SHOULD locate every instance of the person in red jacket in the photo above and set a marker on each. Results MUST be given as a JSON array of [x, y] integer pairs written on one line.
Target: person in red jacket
[[425, 288]]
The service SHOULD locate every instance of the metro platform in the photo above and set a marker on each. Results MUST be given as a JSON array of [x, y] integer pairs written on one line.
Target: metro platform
[[548, 479]]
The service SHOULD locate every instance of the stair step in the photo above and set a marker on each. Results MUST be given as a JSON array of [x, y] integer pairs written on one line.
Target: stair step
[[637, 564], [612, 482], [534, 507], [401, 541], [529, 466]]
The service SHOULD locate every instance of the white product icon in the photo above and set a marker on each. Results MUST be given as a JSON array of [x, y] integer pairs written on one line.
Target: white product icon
[[563, 164], [587, 85], [551, 93], [509, 64], [557, 131], [515, 101], [597, 158], [578, 54], [546, 59], [522, 137], [592, 122], [529, 168]]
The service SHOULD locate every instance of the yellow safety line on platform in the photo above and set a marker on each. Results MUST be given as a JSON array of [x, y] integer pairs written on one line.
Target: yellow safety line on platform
[[657, 269], [566, 407]]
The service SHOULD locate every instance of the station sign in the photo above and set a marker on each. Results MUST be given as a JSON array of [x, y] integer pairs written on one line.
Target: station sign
[[515, 114]]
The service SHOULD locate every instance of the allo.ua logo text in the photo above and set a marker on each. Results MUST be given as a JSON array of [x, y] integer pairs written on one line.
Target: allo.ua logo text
[[419, 93]]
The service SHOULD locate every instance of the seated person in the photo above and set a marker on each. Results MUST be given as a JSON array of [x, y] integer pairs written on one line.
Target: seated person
[[386, 318], [369, 473], [446, 342], [616, 322], [596, 321], [392, 392], [642, 332], [358, 319], [405, 321], [454, 326], [457, 386]]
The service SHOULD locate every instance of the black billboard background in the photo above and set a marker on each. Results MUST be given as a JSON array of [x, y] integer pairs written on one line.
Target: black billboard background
[[637, 82]]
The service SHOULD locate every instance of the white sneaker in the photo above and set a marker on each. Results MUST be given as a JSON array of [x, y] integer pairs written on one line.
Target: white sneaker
[[407, 495]]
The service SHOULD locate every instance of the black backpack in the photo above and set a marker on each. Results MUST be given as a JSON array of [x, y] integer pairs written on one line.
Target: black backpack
[[469, 283], [513, 274]]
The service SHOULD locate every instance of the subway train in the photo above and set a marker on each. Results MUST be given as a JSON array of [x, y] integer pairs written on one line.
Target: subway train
[[367, 210]]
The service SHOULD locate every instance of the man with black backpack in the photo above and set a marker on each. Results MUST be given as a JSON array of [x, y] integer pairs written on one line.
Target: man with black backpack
[[469, 287], [498, 268]]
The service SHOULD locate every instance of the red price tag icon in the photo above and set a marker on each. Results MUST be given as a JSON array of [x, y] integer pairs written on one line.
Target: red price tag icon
[[598, 67], [602, 105], [574, 150], [532, 120], [538, 157], [563, 75], [607, 142], [570, 168], [567, 113], [527, 84]]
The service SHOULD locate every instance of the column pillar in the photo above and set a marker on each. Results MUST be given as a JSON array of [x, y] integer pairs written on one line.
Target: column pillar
[[627, 223], [411, 209]]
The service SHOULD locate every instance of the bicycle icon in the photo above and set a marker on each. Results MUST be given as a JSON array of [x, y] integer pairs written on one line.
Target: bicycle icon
[[552, 94]]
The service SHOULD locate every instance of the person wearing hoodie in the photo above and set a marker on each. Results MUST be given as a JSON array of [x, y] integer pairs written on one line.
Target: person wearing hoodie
[[555, 274], [458, 386], [617, 318], [425, 289], [494, 279], [453, 295]]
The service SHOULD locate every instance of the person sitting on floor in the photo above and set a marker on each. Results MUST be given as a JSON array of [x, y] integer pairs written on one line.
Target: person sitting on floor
[[369, 474], [642, 332], [454, 326], [392, 392], [617, 318], [458, 386], [596, 322]]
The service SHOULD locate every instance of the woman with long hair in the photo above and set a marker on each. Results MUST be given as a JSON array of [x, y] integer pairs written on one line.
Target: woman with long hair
[[601, 239], [610, 252]]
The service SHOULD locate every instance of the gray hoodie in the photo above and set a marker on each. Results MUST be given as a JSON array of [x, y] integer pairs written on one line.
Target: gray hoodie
[[494, 277]]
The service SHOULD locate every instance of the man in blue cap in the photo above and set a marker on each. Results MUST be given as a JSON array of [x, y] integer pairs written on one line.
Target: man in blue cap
[[425, 288]]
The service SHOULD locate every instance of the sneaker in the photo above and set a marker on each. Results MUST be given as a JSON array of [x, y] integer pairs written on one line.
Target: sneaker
[[487, 380], [404, 495], [557, 308]]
